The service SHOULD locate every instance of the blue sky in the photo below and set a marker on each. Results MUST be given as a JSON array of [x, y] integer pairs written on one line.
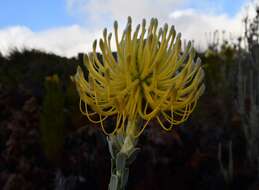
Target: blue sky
[[229, 7], [35, 14], [43, 14], [67, 27]]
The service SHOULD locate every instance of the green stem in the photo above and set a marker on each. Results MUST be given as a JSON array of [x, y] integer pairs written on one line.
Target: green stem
[[123, 153]]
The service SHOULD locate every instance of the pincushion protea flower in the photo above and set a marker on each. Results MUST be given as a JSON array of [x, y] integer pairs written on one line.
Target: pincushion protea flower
[[149, 79]]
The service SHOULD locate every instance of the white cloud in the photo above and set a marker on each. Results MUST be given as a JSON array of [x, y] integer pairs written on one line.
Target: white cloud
[[192, 23], [200, 27], [120, 9], [68, 41], [99, 12]]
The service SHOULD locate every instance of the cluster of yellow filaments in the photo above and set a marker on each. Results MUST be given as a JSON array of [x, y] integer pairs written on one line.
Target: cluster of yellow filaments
[[150, 78]]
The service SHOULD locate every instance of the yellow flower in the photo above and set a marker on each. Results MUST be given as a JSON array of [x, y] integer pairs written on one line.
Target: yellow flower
[[148, 79]]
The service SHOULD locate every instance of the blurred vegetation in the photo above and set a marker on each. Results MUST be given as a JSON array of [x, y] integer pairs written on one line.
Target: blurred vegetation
[[52, 121], [26, 70]]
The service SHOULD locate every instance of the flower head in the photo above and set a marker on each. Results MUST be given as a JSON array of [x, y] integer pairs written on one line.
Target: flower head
[[148, 79]]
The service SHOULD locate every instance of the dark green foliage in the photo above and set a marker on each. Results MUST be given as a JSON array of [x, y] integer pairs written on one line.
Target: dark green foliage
[[220, 67], [26, 70], [52, 122]]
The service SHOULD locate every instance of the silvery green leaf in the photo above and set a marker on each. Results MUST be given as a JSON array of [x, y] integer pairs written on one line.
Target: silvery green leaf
[[133, 155], [115, 145], [124, 179], [120, 139], [113, 183], [121, 162], [110, 147], [112, 167]]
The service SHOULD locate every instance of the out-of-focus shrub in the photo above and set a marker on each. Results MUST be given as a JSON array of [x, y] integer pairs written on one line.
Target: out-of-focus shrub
[[52, 119]]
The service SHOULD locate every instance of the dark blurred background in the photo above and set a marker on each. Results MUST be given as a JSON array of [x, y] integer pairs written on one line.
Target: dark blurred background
[[46, 143]]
